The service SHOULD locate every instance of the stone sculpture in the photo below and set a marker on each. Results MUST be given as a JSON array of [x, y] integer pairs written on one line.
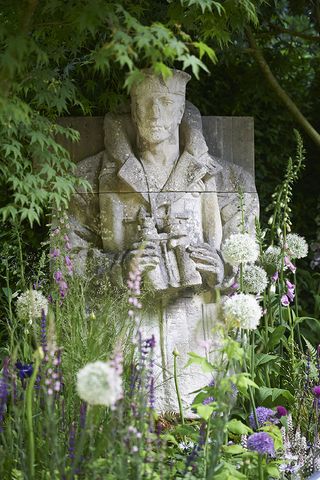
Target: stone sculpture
[[158, 194]]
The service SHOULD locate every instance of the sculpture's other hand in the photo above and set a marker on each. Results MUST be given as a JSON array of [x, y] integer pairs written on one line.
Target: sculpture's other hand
[[145, 254], [208, 262]]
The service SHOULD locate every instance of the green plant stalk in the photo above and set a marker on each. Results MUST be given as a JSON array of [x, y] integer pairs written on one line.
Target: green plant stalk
[[260, 469], [175, 376], [29, 400], [23, 281], [296, 310], [206, 449]]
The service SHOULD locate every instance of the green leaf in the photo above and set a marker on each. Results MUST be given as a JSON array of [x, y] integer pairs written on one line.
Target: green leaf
[[273, 470], [233, 449], [202, 361], [204, 49], [262, 358], [276, 336], [238, 428], [205, 411], [275, 393]]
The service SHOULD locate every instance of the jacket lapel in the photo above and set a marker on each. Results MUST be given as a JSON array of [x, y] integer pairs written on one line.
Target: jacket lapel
[[132, 174]]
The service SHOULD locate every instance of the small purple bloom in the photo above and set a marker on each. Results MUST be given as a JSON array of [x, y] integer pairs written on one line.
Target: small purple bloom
[[24, 371], [57, 276], [235, 286], [55, 253], [316, 391], [207, 400], [290, 285], [264, 415], [290, 295], [285, 301], [261, 442], [281, 411], [275, 276], [289, 264]]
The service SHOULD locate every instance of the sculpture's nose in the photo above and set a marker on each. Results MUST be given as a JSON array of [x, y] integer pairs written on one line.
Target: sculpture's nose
[[155, 109]]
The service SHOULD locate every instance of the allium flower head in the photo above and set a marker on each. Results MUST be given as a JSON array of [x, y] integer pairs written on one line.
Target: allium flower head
[[99, 383], [272, 257], [316, 391], [281, 411], [261, 442], [297, 246], [30, 305], [240, 248], [264, 415], [255, 279], [243, 311]]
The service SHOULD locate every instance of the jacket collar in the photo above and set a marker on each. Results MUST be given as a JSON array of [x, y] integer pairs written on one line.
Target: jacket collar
[[185, 175]]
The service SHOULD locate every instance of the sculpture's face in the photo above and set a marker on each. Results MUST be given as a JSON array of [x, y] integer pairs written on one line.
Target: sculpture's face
[[157, 115]]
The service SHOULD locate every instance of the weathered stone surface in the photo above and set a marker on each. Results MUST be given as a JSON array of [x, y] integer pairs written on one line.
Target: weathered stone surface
[[156, 186]]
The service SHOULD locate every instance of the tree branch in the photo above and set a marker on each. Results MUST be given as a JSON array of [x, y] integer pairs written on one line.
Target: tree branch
[[279, 91], [294, 33]]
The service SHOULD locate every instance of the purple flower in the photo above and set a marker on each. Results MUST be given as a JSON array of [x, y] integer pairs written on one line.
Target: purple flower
[[290, 285], [290, 290], [281, 411], [264, 415], [55, 253], [261, 442], [57, 276], [43, 330], [275, 276], [316, 391], [207, 400], [285, 301], [289, 264], [24, 370], [4, 390], [68, 263]]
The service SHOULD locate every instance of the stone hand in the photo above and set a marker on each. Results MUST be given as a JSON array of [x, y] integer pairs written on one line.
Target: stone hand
[[146, 254], [208, 262]]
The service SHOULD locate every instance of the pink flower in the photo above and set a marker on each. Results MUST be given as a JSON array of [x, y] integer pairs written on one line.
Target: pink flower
[[289, 264], [285, 301]]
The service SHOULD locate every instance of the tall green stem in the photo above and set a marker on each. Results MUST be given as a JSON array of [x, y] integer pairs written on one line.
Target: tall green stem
[[296, 310], [260, 469], [29, 402], [175, 376]]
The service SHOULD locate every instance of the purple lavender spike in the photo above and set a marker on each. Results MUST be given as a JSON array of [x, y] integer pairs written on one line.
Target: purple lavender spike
[[43, 330], [83, 415], [4, 390]]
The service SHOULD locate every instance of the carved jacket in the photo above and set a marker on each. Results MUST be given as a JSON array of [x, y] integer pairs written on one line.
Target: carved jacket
[[198, 204]]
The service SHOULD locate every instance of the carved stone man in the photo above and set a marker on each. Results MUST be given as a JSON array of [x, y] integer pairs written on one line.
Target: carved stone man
[[156, 196]]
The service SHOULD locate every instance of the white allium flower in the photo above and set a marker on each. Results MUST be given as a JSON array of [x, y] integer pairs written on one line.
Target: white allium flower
[[99, 383], [242, 310], [30, 305], [255, 279], [272, 257], [240, 248], [296, 245]]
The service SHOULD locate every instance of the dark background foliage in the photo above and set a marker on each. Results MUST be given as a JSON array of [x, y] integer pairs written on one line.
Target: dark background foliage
[[79, 57]]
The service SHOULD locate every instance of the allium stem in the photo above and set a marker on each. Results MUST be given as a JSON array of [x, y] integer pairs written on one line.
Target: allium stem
[[177, 386], [296, 308], [260, 469]]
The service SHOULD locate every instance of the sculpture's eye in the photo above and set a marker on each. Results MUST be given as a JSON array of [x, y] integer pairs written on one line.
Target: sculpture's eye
[[166, 101]]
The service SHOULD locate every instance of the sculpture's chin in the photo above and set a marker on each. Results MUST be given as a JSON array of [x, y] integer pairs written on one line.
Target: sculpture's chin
[[155, 136]]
